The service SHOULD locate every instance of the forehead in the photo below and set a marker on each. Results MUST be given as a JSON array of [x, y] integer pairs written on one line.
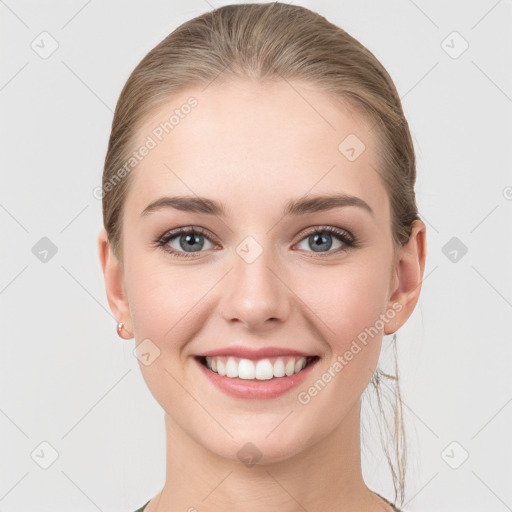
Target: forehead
[[255, 145]]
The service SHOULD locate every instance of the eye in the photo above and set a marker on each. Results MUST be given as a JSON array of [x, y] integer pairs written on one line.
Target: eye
[[189, 242], [184, 242], [321, 240]]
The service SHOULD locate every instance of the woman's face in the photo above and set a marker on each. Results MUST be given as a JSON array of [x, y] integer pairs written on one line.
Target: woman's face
[[255, 275]]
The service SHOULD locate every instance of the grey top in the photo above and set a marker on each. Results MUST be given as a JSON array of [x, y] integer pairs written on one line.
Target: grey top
[[142, 508], [396, 509]]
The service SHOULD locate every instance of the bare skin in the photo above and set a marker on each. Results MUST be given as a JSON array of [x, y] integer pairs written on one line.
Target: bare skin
[[255, 147]]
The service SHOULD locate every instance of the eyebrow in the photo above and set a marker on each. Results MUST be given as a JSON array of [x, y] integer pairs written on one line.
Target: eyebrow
[[295, 207]]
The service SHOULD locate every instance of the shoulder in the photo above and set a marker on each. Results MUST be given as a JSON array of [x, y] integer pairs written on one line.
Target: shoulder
[[393, 506], [142, 508], [395, 509]]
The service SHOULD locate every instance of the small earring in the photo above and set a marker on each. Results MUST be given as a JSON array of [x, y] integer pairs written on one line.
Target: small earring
[[120, 326]]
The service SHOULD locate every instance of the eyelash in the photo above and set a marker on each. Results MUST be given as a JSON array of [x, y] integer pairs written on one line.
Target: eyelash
[[349, 241]]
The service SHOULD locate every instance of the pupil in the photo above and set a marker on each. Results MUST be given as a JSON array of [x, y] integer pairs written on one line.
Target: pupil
[[319, 240], [191, 239]]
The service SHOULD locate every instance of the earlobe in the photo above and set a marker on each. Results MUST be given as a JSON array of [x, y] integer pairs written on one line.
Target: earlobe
[[409, 273], [114, 283]]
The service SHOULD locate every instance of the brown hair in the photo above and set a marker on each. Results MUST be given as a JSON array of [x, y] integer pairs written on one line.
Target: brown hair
[[271, 41]]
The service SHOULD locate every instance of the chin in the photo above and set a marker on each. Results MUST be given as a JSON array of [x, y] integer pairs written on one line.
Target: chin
[[257, 444]]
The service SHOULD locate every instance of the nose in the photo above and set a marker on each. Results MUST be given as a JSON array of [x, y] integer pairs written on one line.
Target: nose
[[255, 295]]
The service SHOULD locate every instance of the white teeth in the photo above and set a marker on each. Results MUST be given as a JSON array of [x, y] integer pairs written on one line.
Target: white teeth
[[264, 369], [279, 368], [246, 369], [231, 368], [290, 367], [260, 370]]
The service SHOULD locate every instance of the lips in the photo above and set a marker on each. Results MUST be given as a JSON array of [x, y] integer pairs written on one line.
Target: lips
[[254, 388]]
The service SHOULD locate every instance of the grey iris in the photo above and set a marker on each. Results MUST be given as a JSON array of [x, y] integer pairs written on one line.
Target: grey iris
[[188, 241], [325, 243]]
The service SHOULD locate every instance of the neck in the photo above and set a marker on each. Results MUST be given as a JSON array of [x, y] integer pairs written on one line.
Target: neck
[[326, 477]]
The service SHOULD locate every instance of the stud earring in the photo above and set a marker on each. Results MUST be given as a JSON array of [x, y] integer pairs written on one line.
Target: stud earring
[[120, 326]]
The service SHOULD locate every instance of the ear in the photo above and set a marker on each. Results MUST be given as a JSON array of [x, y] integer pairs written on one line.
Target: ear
[[408, 272], [114, 284]]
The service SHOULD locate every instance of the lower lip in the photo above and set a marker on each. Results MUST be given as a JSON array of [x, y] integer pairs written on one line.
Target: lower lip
[[259, 389]]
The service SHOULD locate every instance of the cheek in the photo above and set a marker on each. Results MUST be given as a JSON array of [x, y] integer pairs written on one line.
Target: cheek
[[165, 300], [342, 300], [347, 306], [348, 303]]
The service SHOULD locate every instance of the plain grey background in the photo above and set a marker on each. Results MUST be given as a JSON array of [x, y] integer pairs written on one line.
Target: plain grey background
[[72, 397]]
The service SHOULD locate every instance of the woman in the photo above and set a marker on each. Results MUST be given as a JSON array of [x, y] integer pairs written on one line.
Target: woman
[[261, 236]]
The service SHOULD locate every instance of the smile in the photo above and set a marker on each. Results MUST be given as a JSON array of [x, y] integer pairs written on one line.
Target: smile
[[259, 379], [262, 369]]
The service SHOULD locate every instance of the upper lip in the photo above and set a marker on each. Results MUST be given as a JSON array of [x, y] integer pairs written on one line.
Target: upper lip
[[254, 353]]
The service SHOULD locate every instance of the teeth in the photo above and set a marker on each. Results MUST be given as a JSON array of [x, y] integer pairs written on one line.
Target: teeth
[[263, 369]]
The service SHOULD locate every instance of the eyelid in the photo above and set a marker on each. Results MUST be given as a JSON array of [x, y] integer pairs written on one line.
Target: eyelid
[[186, 229], [340, 232]]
